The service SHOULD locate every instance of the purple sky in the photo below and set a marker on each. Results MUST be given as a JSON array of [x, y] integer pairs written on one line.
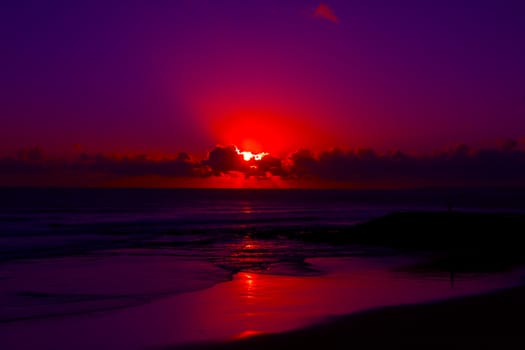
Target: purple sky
[[167, 76]]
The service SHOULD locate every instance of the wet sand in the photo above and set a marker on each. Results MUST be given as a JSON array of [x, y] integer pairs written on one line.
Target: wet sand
[[459, 243], [477, 251], [492, 321]]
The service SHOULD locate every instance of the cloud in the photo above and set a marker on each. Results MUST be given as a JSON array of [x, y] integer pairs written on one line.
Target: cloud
[[32, 168], [459, 166], [325, 12], [222, 160], [225, 159]]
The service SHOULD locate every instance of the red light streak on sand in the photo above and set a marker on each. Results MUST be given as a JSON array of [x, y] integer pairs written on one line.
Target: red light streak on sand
[[248, 333], [252, 303]]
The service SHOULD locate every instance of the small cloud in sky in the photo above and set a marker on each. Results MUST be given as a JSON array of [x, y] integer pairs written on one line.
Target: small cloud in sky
[[325, 12]]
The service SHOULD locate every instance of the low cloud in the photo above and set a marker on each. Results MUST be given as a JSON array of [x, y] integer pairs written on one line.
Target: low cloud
[[459, 166], [222, 160], [225, 159], [325, 12], [30, 167]]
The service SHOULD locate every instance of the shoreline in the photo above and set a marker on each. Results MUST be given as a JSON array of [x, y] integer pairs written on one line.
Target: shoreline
[[454, 243], [490, 320]]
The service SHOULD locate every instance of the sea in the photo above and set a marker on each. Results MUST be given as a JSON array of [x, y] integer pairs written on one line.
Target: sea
[[139, 268]]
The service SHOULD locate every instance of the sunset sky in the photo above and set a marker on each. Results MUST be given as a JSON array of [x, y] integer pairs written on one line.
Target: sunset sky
[[162, 77]]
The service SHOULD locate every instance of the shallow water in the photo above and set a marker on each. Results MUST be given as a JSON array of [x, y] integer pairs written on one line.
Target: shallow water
[[128, 269], [251, 303]]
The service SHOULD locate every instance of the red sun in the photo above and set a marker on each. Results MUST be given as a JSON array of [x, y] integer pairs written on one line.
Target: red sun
[[258, 132]]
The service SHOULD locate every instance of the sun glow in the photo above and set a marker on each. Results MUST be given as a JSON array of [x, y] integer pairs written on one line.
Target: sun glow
[[247, 156]]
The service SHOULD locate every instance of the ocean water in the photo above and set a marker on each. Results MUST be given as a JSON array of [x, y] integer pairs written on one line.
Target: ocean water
[[37, 223], [182, 266]]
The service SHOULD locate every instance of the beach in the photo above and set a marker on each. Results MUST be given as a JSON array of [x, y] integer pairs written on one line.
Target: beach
[[137, 269], [269, 174], [492, 321]]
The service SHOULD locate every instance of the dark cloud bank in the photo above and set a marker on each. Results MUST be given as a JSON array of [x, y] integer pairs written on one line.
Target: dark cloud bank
[[460, 166]]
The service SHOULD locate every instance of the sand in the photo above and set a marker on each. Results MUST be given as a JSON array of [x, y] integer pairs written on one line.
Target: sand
[[493, 321], [461, 242]]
